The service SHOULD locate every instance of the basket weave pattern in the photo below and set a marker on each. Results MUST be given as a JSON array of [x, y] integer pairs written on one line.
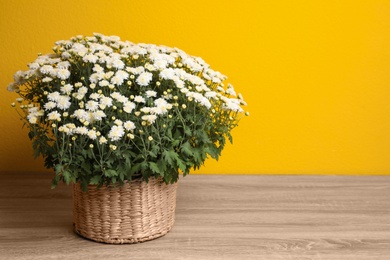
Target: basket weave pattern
[[132, 213]]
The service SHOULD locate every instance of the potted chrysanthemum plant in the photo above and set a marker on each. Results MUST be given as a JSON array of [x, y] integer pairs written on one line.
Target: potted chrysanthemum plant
[[121, 121]]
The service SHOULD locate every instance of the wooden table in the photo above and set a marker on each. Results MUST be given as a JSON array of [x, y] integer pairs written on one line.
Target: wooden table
[[218, 217]]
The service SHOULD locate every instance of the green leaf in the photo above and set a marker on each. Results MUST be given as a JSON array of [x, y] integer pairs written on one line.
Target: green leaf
[[175, 143], [213, 151], [187, 131], [181, 165], [121, 175], [230, 138], [95, 180], [67, 177], [154, 167], [161, 165], [58, 168], [170, 157], [110, 173], [186, 148]]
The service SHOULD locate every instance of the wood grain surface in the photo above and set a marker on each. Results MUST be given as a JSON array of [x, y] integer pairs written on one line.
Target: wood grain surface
[[217, 217]]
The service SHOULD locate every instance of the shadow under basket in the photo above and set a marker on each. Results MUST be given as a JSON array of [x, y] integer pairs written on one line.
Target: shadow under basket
[[132, 213]]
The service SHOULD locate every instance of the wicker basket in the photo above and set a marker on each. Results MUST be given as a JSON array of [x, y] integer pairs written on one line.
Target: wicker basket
[[133, 213]]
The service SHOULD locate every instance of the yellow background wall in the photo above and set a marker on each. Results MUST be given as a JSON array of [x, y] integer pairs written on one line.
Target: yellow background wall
[[316, 74]]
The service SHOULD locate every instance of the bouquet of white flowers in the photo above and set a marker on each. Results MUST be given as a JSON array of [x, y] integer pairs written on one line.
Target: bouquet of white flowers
[[103, 111]]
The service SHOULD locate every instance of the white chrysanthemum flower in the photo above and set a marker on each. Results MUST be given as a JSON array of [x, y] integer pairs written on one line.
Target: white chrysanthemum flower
[[184, 90], [33, 115], [71, 126], [33, 66], [117, 63], [145, 110], [139, 70], [108, 74], [82, 130], [66, 55], [115, 95], [118, 122], [79, 47], [216, 80], [116, 81], [205, 76], [81, 114], [128, 107], [119, 97], [160, 64], [63, 102], [106, 101], [66, 89], [46, 69], [168, 73], [202, 100], [102, 140], [47, 79], [32, 119], [139, 99], [63, 74], [179, 83], [122, 99], [220, 89], [12, 87], [205, 88], [151, 93], [82, 90], [98, 115], [192, 64], [54, 96], [210, 94], [230, 90], [95, 77], [150, 67], [128, 125], [49, 105], [92, 105], [92, 134], [54, 116], [90, 58], [94, 96], [98, 69], [149, 118], [63, 64], [122, 74], [104, 83], [68, 129], [199, 88], [144, 78], [116, 133], [162, 107], [232, 104], [19, 77]]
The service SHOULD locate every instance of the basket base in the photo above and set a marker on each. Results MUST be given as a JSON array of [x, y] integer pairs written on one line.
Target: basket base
[[133, 213], [120, 241]]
